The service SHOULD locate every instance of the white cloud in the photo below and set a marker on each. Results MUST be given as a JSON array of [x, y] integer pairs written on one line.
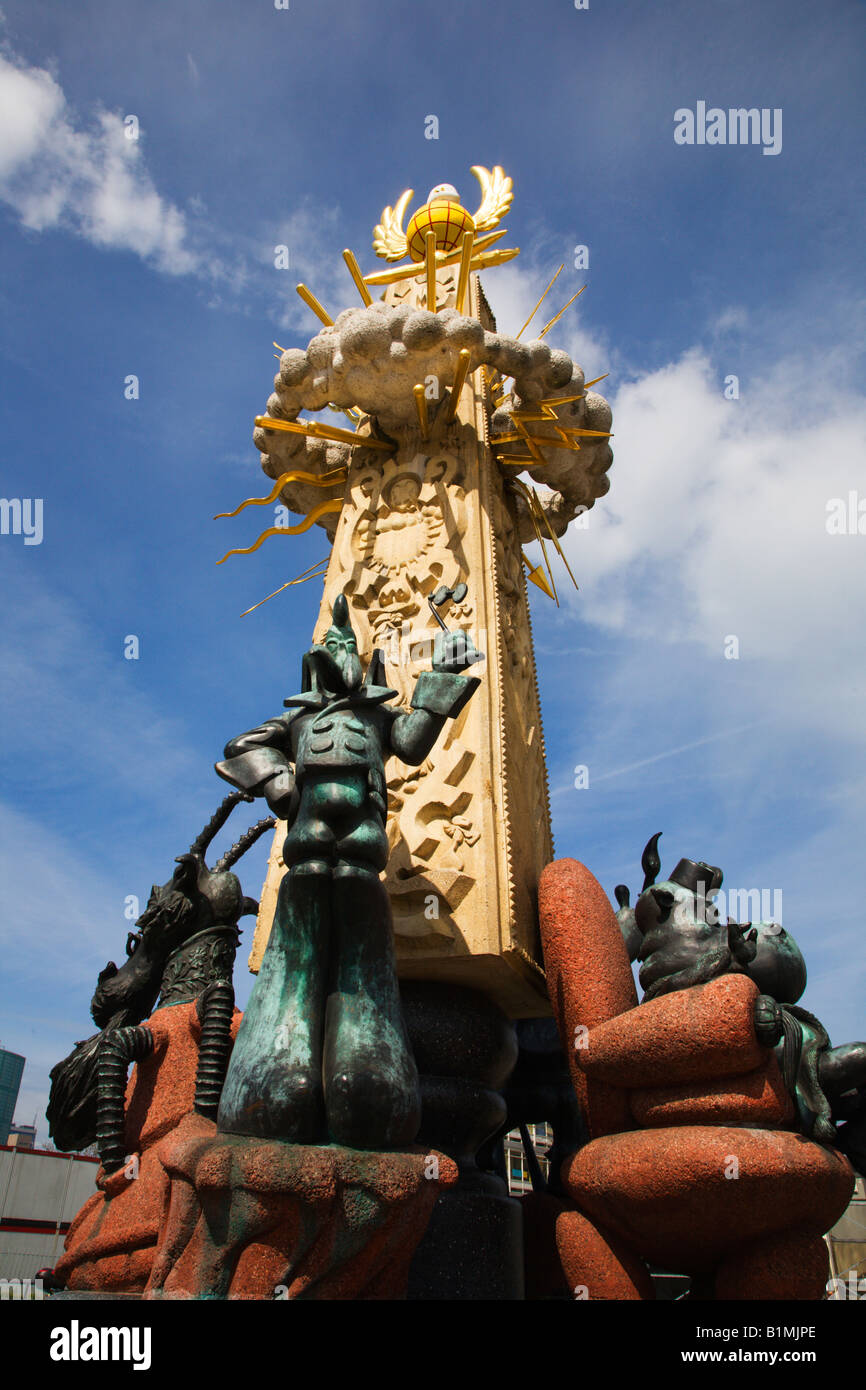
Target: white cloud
[[55, 173], [30, 104], [312, 234], [514, 289], [716, 525]]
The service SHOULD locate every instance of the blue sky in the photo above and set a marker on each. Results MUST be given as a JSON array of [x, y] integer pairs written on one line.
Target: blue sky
[[155, 258]]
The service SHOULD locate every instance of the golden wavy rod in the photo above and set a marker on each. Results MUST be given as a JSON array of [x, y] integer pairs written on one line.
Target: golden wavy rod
[[295, 475], [332, 505]]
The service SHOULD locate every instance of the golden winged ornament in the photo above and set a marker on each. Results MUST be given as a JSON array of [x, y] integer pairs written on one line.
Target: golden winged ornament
[[392, 243]]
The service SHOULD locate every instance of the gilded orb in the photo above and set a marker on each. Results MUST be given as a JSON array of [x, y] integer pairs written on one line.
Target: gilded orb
[[442, 214]]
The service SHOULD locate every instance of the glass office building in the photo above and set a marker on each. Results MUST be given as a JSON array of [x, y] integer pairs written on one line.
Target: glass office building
[[11, 1071]]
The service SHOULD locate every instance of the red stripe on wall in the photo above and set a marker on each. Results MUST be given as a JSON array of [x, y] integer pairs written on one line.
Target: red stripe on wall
[[33, 1228]]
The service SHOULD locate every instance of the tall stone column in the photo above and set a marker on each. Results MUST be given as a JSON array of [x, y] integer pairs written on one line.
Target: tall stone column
[[469, 829]]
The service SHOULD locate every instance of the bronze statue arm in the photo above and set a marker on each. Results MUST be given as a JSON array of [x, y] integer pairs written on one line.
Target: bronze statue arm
[[257, 762], [438, 696]]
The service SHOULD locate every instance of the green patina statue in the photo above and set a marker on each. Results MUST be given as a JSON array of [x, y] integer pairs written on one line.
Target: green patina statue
[[676, 932], [322, 1053]]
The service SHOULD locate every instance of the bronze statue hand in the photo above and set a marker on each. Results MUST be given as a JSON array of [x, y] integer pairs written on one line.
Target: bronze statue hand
[[281, 794], [453, 652]]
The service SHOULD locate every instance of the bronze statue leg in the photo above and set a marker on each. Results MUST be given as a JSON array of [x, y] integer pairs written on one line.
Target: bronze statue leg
[[372, 1096], [273, 1087]]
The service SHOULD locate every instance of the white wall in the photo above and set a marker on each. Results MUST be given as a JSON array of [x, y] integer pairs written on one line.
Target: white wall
[[39, 1187]]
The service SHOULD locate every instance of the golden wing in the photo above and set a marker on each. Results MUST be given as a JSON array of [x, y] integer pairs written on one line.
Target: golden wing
[[496, 196], [389, 239]]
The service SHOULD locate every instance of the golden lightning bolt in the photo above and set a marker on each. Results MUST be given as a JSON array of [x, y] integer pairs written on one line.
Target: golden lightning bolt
[[309, 519], [296, 475]]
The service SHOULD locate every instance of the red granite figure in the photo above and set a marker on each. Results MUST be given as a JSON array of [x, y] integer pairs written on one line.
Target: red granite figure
[[695, 1163]]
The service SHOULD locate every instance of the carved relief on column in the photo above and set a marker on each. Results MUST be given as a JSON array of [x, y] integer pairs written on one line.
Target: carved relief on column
[[402, 534], [469, 828]]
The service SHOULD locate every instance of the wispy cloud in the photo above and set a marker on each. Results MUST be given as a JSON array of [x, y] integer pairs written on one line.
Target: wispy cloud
[[671, 753], [57, 172], [89, 176]]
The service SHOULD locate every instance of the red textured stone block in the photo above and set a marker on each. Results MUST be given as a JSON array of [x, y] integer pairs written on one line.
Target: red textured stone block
[[794, 1266], [695, 1034], [757, 1099], [589, 977], [686, 1198], [246, 1217], [597, 1265], [161, 1089], [111, 1243]]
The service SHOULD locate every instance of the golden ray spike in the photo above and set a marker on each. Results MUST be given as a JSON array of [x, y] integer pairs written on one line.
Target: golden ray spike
[[365, 441], [416, 269], [546, 439], [540, 302], [309, 519], [546, 559], [282, 349], [312, 303], [553, 401], [421, 407], [311, 573], [355, 272], [466, 248], [498, 386], [564, 441], [534, 508], [481, 244], [270, 422], [351, 412], [409, 272], [314, 430], [592, 434], [295, 475], [430, 267], [516, 462], [558, 316], [595, 380], [460, 374], [278, 356], [539, 438], [555, 539], [533, 447], [491, 258], [538, 511], [536, 576]]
